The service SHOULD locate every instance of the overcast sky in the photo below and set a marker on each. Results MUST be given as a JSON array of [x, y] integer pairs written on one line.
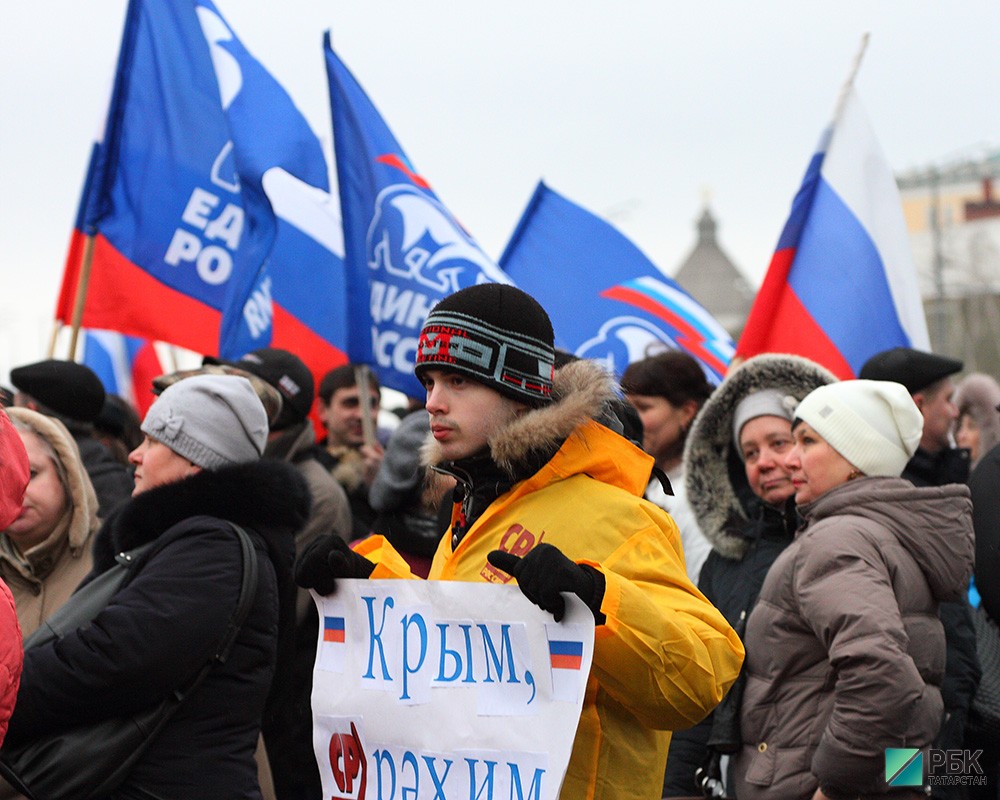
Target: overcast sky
[[636, 110]]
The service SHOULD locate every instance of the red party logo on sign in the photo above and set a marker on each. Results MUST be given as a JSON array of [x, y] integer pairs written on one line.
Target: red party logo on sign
[[349, 765]]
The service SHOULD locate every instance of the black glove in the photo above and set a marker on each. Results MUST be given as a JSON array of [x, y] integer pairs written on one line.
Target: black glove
[[545, 572], [326, 559]]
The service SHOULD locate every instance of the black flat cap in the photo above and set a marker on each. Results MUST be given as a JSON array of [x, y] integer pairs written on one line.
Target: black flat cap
[[65, 387], [914, 369]]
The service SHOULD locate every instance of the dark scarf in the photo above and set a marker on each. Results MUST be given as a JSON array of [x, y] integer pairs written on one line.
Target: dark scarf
[[480, 482]]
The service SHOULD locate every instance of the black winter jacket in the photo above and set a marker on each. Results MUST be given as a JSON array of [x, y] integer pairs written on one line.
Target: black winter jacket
[[962, 673], [161, 627], [732, 585], [985, 487]]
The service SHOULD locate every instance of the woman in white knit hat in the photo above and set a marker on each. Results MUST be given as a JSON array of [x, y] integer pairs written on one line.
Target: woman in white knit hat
[[845, 651], [197, 471]]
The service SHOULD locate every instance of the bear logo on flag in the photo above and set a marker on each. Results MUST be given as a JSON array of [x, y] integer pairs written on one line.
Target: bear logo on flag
[[413, 237], [622, 340]]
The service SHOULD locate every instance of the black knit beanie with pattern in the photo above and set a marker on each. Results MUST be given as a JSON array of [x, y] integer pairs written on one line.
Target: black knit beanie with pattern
[[496, 334]]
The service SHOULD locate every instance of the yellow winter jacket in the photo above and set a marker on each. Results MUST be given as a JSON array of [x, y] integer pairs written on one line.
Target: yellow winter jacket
[[665, 656]]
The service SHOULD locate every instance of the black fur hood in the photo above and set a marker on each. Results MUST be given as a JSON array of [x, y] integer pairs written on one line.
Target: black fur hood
[[270, 497], [717, 488]]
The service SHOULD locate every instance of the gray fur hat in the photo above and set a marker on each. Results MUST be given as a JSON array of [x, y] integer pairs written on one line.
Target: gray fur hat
[[212, 420], [710, 447], [978, 395]]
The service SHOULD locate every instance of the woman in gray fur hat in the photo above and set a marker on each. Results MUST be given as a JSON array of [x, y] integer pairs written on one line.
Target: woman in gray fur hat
[[742, 497], [978, 426]]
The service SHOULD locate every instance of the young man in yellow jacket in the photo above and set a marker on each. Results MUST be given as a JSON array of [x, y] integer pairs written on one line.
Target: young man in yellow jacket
[[549, 494]]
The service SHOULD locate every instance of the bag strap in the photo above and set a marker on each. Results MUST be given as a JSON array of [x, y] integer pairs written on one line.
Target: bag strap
[[152, 724], [248, 589]]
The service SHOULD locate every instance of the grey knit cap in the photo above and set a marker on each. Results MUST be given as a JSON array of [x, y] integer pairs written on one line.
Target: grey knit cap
[[212, 420], [765, 403]]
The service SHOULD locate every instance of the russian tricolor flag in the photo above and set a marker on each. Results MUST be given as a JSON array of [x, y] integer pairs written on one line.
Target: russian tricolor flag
[[842, 284], [333, 629], [126, 366], [565, 654]]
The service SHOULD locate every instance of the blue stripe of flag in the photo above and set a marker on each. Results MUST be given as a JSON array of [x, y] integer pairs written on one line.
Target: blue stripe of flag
[[558, 648]]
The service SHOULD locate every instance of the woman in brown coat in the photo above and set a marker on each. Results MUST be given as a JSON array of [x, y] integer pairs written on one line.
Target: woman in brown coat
[[845, 651], [45, 552]]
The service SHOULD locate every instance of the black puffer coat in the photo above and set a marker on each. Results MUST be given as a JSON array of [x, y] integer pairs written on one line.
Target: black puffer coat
[[161, 627]]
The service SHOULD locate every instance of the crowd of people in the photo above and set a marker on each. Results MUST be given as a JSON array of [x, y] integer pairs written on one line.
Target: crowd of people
[[779, 568]]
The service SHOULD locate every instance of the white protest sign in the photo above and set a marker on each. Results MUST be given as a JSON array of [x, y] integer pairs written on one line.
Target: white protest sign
[[446, 689]]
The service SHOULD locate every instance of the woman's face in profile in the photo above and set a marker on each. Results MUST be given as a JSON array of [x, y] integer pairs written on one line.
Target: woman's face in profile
[[815, 466], [156, 464], [45, 498], [967, 435]]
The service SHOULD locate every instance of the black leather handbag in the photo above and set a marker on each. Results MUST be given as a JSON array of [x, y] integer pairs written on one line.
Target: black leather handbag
[[91, 761]]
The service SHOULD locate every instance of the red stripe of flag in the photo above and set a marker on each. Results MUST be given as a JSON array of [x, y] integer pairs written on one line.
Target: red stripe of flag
[[333, 629], [779, 323], [123, 297], [566, 661]]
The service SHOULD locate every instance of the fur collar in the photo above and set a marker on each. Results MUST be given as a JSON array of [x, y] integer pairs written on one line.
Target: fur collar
[[717, 488], [582, 390], [268, 496]]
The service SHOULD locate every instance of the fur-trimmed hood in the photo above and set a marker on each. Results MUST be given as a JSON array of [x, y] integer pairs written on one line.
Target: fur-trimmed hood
[[270, 497], [582, 390], [73, 530], [716, 483]]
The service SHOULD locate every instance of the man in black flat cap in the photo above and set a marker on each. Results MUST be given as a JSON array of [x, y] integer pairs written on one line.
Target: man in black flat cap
[[73, 394], [927, 377]]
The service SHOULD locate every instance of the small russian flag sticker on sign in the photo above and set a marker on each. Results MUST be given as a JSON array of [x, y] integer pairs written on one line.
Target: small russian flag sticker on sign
[[565, 654], [333, 629], [569, 659], [332, 649]]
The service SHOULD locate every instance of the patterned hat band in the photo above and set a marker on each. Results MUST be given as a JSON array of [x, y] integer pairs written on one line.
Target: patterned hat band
[[514, 365]]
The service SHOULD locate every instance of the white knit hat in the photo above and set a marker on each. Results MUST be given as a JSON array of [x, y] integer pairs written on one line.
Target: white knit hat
[[875, 425], [212, 420]]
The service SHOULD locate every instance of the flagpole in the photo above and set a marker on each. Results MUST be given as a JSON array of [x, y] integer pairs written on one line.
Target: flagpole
[[361, 378], [849, 83], [81, 293], [56, 327]]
